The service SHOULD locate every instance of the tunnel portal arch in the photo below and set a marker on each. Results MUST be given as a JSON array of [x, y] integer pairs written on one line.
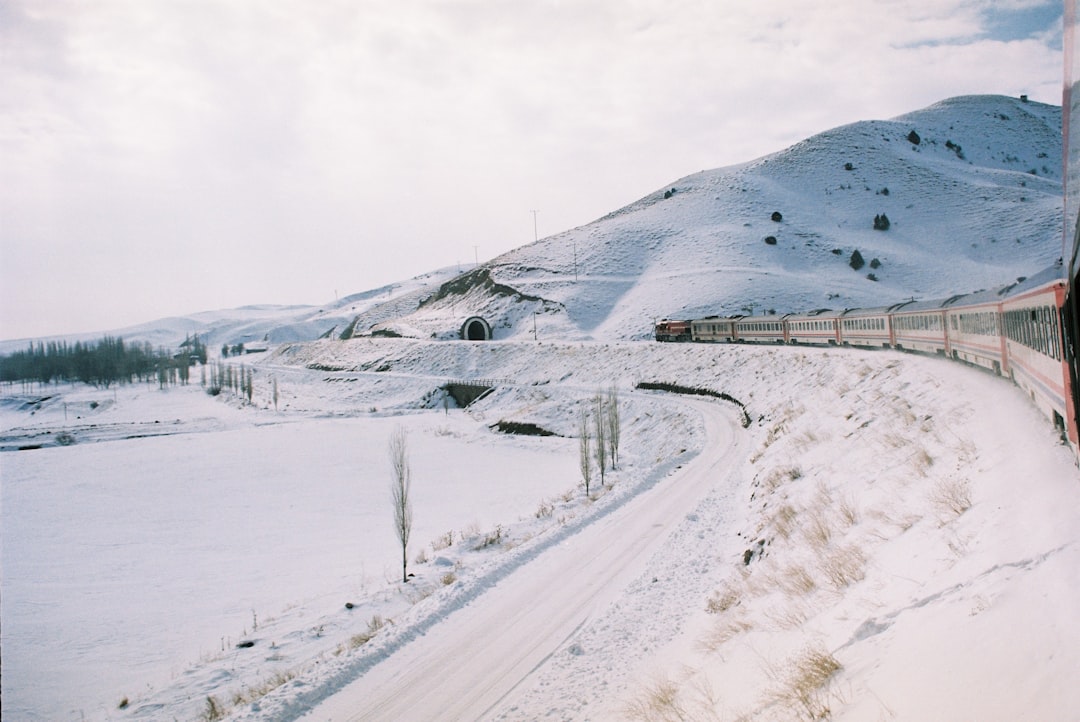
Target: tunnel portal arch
[[476, 329]]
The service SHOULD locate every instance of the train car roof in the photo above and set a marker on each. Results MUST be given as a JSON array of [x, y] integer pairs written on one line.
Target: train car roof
[[862, 312], [1043, 277], [816, 313], [772, 318], [914, 306]]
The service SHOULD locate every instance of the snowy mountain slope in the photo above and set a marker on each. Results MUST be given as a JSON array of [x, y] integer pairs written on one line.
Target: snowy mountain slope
[[976, 196]]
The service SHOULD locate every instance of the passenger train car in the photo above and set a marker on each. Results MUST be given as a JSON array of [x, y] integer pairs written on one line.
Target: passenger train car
[[1014, 331]]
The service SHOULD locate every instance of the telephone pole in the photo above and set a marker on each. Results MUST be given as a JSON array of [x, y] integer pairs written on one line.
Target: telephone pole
[[536, 236]]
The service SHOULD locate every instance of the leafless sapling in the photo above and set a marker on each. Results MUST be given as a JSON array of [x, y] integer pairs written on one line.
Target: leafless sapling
[[584, 444], [401, 494], [614, 424], [600, 425]]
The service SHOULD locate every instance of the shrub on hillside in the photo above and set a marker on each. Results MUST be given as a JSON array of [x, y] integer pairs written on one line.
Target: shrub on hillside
[[770, 240], [776, 216], [881, 222], [914, 138], [856, 260]]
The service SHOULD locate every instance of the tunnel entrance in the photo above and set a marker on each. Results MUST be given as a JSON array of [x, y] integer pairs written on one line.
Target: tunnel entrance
[[476, 329]]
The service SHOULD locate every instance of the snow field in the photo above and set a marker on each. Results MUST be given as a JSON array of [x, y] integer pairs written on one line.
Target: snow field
[[910, 522]]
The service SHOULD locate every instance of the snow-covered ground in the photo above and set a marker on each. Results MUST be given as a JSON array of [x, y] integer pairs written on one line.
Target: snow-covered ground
[[912, 527]]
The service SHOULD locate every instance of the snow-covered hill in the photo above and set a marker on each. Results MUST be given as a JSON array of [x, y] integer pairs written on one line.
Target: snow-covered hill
[[971, 187]]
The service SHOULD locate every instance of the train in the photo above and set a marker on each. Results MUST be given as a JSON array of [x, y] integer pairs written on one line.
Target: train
[[1016, 331]]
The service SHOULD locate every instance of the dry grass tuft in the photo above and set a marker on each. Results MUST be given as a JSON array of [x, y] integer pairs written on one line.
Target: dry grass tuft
[[844, 566], [722, 600], [796, 581], [817, 529], [801, 686], [260, 690], [783, 520], [805, 440], [727, 628], [922, 461], [444, 541], [952, 496], [849, 510], [659, 702], [789, 615], [780, 476], [374, 625]]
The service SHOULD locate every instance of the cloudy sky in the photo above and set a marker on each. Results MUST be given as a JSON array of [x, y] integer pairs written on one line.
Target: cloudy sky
[[160, 157]]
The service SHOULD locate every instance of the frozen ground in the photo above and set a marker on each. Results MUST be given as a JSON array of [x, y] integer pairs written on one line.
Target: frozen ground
[[909, 519]]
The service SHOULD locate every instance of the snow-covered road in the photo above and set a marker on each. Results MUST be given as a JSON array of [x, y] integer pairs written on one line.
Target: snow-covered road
[[473, 662]]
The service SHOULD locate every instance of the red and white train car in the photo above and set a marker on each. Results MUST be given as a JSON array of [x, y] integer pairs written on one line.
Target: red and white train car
[[714, 329], [1032, 332], [817, 327], [760, 329], [973, 323], [920, 326], [866, 327]]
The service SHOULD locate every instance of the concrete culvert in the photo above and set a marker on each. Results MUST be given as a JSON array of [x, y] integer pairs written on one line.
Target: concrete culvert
[[476, 329]]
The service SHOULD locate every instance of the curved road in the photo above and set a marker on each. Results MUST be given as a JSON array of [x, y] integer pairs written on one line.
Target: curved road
[[473, 661]]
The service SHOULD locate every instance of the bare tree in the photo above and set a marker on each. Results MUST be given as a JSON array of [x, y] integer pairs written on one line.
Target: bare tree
[[614, 424], [600, 425], [585, 442], [400, 490]]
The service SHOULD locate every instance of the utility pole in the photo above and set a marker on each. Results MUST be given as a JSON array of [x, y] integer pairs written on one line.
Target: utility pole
[[536, 235], [575, 260], [534, 325], [476, 256]]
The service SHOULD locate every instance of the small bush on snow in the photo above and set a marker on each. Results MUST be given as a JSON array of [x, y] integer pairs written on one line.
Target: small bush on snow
[[722, 600], [817, 528], [849, 511], [374, 625], [796, 581], [801, 684], [658, 703], [844, 566], [952, 496], [444, 541]]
